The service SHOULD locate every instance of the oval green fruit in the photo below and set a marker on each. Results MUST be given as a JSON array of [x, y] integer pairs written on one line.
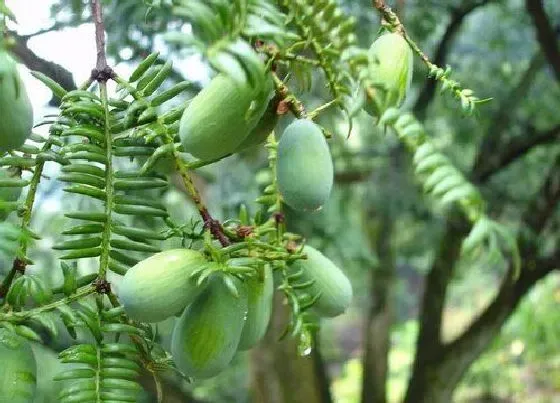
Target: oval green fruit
[[18, 369], [161, 285], [304, 168], [219, 118], [16, 113], [390, 73], [260, 291], [206, 336], [8, 194], [329, 282], [264, 126]]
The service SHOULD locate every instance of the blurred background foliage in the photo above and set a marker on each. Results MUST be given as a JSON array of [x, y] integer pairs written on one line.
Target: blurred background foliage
[[377, 221]]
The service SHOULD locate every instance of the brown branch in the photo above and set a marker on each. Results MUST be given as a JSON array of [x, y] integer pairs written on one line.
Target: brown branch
[[485, 327], [544, 204], [33, 62], [437, 280], [57, 26], [97, 16], [17, 267], [438, 368], [458, 16], [102, 71], [515, 149], [464, 350], [545, 34], [488, 158]]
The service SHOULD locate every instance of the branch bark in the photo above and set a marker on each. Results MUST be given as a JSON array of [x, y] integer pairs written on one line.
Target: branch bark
[[97, 16], [429, 347], [512, 151], [33, 62], [377, 334], [545, 34], [458, 16], [279, 374], [436, 373]]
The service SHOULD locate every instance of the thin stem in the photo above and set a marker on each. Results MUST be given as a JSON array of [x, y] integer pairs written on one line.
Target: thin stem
[[109, 190], [101, 74], [20, 262], [97, 15], [287, 98], [209, 222], [315, 112]]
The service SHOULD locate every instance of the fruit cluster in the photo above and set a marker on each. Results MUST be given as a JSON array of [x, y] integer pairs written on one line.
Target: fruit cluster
[[221, 314], [224, 305]]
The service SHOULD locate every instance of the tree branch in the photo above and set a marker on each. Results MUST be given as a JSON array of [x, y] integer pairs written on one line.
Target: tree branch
[[429, 337], [458, 16], [57, 26], [512, 151], [474, 340], [544, 204], [33, 62], [545, 34], [437, 370], [464, 350], [488, 158]]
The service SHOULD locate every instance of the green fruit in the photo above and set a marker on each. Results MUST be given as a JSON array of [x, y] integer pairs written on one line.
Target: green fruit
[[16, 113], [329, 282], [305, 169], [7, 194], [161, 285], [220, 117], [18, 369], [259, 291], [206, 336], [390, 73], [264, 127]]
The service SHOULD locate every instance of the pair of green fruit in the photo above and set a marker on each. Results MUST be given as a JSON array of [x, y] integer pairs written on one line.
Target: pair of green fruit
[[228, 117], [215, 323]]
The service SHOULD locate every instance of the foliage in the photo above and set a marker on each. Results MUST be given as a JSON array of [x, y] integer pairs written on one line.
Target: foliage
[[109, 148]]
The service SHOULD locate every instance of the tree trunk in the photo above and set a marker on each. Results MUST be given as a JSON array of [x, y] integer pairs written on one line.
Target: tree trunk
[[437, 379], [377, 335], [279, 374]]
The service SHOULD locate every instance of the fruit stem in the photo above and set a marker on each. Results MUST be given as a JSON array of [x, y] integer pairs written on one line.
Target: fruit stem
[[287, 99], [212, 224]]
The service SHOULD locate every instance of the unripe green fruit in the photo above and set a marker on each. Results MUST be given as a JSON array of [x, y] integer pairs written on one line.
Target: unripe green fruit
[[264, 127], [304, 169], [18, 369], [161, 285], [16, 113], [328, 280], [390, 73], [206, 336], [220, 117], [259, 291], [7, 194]]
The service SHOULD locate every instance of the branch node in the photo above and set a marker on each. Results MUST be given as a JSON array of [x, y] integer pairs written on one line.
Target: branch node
[[103, 75], [102, 286]]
